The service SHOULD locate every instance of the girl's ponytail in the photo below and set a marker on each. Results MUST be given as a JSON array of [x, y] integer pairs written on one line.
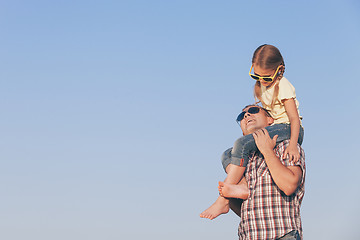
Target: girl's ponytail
[[276, 94], [257, 93]]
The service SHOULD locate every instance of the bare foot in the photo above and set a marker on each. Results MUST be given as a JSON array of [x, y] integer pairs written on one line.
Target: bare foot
[[220, 206], [234, 190]]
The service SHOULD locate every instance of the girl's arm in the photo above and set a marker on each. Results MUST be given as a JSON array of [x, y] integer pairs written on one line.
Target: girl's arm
[[292, 112]]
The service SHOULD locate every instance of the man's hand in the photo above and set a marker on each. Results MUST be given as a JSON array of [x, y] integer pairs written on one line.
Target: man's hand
[[263, 141]]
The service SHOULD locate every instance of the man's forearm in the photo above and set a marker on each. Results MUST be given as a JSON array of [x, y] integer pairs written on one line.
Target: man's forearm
[[286, 178]]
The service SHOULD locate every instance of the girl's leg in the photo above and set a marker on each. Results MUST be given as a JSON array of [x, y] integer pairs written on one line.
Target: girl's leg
[[240, 190], [226, 158], [242, 149], [283, 131], [234, 174], [232, 187], [245, 145]]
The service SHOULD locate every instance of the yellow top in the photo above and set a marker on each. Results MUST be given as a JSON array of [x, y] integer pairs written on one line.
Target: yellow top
[[286, 91]]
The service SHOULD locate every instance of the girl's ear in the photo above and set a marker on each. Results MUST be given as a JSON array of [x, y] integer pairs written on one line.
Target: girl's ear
[[282, 69], [280, 72]]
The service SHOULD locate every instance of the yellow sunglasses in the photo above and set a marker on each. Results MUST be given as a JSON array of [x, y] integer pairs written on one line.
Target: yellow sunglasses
[[266, 79]]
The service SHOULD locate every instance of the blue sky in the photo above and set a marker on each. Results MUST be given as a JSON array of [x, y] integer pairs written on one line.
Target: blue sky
[[115, 113]]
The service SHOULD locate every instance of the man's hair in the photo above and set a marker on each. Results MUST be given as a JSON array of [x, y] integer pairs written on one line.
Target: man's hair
[[254, 105]]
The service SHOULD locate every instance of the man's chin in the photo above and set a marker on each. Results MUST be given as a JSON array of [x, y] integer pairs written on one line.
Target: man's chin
[[251, 128]]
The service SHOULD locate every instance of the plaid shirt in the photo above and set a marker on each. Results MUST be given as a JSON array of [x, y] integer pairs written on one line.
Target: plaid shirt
[[268, 213]]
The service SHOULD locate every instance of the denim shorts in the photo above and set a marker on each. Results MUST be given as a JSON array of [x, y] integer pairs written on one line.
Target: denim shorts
[[244, 146]]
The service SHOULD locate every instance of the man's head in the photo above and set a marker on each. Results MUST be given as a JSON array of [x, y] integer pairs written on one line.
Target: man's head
[[253, 118]]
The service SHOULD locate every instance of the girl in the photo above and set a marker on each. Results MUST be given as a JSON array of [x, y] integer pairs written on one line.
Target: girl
[[278, 97]]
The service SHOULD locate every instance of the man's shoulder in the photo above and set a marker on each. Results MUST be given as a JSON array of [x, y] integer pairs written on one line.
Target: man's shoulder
[[283, 144], [280, 149]]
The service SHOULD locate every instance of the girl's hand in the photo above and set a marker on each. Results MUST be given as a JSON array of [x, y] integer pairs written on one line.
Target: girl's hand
[[263, 141], [293, 153]]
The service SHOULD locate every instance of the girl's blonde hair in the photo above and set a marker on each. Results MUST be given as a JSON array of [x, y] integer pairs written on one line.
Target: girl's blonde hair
[[268, 57]]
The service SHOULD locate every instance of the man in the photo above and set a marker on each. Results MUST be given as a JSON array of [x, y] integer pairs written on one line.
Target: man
[[272, 187]]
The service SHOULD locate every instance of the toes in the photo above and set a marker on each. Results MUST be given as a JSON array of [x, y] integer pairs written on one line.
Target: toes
[[220, 191]]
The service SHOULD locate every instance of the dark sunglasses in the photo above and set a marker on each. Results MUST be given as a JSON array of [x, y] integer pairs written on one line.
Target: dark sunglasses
[[251, 110]]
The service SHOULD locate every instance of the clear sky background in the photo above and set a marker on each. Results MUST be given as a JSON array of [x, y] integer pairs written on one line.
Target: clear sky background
[[114, 114]]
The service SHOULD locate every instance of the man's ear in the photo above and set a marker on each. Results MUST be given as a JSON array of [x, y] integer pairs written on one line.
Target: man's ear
[[270, 120]]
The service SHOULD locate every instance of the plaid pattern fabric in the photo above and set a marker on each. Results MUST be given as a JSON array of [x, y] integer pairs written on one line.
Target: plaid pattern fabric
[[268, 213]]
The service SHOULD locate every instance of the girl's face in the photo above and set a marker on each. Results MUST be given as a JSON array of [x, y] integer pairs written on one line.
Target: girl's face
[[262, 72]]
